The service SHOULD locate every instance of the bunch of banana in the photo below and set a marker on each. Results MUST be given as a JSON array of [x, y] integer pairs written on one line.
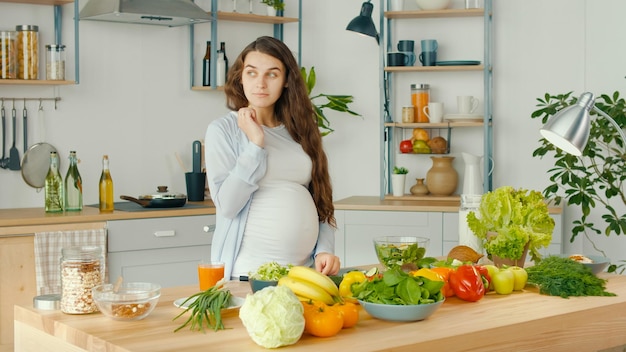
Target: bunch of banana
[[309, 284]]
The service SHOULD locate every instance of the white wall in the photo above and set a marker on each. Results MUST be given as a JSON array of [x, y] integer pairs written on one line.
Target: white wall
[[134, 101]]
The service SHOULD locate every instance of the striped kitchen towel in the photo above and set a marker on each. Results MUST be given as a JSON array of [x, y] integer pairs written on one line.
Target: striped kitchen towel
[[48, 247]]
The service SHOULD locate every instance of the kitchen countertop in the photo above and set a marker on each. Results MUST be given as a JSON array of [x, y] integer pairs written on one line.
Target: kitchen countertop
[[38, 216], [519, 321]]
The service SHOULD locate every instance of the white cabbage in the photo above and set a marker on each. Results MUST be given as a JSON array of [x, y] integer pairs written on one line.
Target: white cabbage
[[273, 317]]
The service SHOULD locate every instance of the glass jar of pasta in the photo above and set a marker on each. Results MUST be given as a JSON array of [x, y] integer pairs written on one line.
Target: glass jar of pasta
[[27, 51], [8, 55]]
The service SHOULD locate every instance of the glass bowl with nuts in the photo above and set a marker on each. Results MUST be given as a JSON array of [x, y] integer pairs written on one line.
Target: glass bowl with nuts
[[131, 301]]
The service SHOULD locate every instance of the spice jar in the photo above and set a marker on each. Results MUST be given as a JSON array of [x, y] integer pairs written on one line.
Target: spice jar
[[8, 55], [55, 62], [420, 96], [27, 51], [82, 269]]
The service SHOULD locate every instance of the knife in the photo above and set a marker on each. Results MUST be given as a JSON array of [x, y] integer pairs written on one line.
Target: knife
[[196, 156]]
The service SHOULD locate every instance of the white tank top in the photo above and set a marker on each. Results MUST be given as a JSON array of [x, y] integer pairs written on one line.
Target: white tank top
[[282, 223]]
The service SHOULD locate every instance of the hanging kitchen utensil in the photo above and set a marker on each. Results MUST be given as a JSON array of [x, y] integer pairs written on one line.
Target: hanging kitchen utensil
[[25, 127], [36, 160], [4, 160], [14, 154], [197, 156], [161, 199]]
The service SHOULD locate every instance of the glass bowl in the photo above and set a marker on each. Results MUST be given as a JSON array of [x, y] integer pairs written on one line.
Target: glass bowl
[[133, 300], [400, 250]]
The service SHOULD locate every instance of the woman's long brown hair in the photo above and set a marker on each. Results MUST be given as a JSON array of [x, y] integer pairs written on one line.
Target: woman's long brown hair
[[294, 110]]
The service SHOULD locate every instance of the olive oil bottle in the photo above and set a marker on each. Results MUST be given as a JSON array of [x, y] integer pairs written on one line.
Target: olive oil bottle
[[73, 186], [106, 187], [54, 186]]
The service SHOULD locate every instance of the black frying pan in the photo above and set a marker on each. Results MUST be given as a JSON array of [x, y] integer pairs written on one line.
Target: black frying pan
[[161, 199]]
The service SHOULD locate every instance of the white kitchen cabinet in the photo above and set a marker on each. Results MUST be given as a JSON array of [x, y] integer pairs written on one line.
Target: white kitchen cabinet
[[357, 229], [160, 250]]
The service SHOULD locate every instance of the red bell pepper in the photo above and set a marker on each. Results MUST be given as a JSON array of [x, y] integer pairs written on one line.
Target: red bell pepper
[[484, 273], [467, 283]]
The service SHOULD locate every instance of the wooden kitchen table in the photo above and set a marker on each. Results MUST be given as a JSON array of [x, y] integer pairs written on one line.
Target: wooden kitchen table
[[522, 321]]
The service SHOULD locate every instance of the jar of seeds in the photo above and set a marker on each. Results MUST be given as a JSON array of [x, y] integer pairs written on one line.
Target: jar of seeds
[[81, 270]]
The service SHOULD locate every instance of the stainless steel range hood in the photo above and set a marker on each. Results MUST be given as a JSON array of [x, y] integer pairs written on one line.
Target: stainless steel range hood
[[170, 13]]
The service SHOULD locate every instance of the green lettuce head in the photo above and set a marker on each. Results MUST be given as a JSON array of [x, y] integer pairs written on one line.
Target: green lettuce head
[[518, 216]]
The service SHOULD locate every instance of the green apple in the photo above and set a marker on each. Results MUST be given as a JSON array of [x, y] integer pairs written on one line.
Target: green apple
[[503, 282], [520, 277], [492, 270]]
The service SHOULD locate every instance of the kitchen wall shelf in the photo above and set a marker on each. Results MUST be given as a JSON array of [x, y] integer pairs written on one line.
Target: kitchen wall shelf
[[434, 68], [57, 35], [35, 82], [393, 132], [429, 197], [276, 21], [253, 18], [434, 13]]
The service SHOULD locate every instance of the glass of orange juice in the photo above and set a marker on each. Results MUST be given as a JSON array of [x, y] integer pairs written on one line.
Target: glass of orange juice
[[209, 273]]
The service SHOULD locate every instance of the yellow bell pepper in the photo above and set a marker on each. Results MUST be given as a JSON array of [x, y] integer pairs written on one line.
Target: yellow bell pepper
[[427, 273], [348, 279]]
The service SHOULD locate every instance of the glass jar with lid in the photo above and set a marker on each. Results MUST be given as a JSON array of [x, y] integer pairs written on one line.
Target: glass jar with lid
[[55, 62], [8, 55], [27, 51], [420, 96], [82, 268]]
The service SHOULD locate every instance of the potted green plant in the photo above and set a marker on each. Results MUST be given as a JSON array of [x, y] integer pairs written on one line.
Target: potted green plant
[[594, 180], [334, 102], [510, 222], [274, 5], [398, 180]]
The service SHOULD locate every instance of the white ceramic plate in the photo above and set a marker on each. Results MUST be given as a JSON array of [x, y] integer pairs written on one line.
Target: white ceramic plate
[[235, 302], [463, 117]]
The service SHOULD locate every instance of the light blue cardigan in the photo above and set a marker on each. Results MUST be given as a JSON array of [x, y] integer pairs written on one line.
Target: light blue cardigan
[[234, 166]]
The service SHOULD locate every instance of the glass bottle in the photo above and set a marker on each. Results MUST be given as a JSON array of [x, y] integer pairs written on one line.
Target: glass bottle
[[221, 69], [82, 268], [54, 186], [206, 66], [223, 50], [469, 203], [106, 187], [73, 186], [420, 96]]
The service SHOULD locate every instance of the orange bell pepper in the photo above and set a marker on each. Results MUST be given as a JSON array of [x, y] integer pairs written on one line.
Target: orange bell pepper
[[444, 273]]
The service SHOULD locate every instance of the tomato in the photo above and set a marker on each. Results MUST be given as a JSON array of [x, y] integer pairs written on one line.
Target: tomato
[[445, 274], [322, 320], [350, 313], [406, 146], [349, 278]]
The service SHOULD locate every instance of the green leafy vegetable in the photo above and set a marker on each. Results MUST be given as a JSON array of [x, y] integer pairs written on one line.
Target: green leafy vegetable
[[273, 317], [398, 288], [558, 276], [395, 255], [206, 309], [271, 271], [400, 170], [518, 217]]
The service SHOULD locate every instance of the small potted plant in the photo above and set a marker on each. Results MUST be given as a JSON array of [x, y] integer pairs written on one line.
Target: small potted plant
[[511, 222], [273, 6], [398, 179]]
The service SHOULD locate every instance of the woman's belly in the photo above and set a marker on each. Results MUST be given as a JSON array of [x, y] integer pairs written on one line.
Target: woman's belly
[[282, 226]]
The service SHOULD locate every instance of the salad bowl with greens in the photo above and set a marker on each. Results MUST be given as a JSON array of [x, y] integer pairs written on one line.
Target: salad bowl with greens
[[266, 275]]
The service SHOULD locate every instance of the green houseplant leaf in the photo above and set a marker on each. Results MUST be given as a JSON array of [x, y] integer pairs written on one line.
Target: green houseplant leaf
[[320, 102]]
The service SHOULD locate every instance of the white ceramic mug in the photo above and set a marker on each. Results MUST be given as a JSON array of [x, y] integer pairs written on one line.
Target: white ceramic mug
[[467, 104], [434, 111]]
